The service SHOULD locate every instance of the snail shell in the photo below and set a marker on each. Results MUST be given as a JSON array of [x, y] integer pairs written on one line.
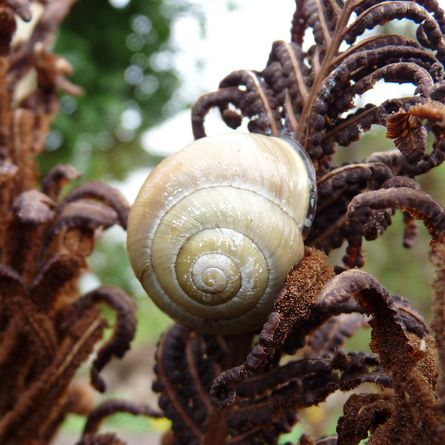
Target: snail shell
[[217, 226]]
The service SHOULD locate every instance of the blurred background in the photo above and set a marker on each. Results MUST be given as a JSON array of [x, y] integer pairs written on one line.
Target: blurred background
[[142, 64]]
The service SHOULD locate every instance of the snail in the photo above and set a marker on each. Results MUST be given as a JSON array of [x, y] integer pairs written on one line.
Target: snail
[[217, 226]]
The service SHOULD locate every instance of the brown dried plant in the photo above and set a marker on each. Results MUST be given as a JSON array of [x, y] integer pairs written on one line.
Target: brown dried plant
[[47, 329], [250, 389], [244, 389]]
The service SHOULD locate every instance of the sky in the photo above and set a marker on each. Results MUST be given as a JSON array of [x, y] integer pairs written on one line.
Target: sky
[[224, 48]]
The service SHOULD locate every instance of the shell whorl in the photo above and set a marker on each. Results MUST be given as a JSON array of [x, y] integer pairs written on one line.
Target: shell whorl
[[217, 226]]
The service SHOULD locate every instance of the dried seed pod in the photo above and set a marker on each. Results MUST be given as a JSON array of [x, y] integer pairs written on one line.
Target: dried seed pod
[[217, 226]]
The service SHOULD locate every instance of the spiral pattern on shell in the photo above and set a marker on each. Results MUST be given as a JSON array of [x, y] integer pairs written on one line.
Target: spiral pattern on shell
[[217, 226]]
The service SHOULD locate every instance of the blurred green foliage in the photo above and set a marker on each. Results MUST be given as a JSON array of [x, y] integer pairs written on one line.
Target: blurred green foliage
[[123, 59]]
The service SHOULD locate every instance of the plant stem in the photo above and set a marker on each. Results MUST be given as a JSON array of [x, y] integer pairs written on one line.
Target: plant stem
[[217, 432]]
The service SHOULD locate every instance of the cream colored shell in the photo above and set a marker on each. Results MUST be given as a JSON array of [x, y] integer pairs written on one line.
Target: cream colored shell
[[217, 226]]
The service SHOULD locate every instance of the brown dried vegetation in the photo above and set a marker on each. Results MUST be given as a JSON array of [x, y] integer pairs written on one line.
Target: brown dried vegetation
[[47, 330], [246, 389], [297, 359]]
